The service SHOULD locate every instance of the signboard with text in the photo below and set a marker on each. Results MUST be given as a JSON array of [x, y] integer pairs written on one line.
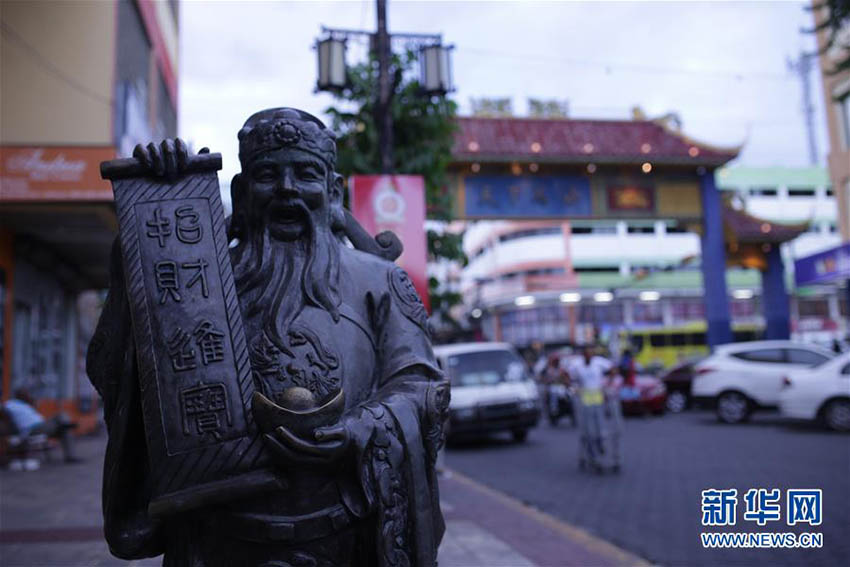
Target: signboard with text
[[483, 196], [53, 173], [526, 196], [630, 198], [194, 374], [396, 203], [828, 266]]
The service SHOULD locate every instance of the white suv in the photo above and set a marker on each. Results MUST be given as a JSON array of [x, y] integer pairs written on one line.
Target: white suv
[[739, 378], [491, 390]]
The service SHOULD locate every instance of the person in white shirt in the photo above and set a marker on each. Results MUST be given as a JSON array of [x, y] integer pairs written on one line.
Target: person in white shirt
[[28, 421], [590, 374]]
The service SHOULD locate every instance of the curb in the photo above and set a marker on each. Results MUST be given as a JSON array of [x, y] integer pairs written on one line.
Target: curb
[[597, 545]]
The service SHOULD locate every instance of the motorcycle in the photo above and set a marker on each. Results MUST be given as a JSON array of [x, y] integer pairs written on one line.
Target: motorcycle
[[559, 403]]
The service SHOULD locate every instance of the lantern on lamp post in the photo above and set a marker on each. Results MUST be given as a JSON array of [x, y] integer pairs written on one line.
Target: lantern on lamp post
[[333, 74], [435, 69]]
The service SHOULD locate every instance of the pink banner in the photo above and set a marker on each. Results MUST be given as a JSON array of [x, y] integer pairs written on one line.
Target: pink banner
[[396, 203]]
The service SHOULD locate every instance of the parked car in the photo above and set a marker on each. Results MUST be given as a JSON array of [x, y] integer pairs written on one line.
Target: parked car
[[491, 390], [652, 396], [821, 393], [678, 381], [740, 378]]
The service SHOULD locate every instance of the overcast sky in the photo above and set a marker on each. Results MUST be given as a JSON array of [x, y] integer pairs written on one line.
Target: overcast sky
[[720, 65]]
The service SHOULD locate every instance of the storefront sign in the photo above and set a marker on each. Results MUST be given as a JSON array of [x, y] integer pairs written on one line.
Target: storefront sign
[[504, 196], [629, 197], [396, 203], [53, 174], [829, 266]]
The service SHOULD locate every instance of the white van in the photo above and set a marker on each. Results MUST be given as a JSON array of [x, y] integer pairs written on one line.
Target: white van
[[491, 389]]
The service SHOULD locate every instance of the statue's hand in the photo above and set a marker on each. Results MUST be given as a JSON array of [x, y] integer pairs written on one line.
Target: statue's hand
[[331, 444], [168, 159]]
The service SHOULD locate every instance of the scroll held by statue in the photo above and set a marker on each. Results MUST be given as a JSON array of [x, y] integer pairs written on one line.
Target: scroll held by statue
[[195, 377]]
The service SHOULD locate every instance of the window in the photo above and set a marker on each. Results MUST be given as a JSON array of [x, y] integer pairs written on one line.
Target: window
[[772, 355], [641, 229], [658, 339], [801, 192], [763, 192], [677, 339], [636, 342], [647, 312], [688, 309], [807, 357], [813, 307], [844, 117], [485, 368], [597, 269], [594, 229], [676, 229], [829, 191], [697, 339], [544, 231]]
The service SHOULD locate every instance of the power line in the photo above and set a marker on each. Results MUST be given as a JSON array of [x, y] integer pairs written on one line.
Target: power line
[[609, 66], [49, 67]]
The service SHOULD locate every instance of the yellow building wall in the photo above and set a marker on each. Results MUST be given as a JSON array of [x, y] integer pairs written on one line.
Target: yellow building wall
[[56, 72]]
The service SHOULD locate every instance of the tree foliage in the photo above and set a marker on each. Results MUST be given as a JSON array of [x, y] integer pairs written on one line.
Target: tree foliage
[[423, 135], [836, 27], [423, 130]]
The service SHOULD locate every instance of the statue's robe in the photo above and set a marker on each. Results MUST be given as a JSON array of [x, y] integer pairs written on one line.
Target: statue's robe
[[379, 505]]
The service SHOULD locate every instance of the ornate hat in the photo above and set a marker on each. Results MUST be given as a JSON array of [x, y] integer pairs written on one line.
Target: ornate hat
[[277, 128]]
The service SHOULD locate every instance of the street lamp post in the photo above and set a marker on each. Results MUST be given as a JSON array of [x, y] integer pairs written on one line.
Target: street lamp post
[[435, 71], [383, 115]]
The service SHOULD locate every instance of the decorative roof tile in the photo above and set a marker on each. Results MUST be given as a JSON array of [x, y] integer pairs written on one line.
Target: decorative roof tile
[[742, 227], [581, 141]]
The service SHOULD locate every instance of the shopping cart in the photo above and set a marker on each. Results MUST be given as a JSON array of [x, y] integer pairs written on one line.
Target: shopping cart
[[600, 423]]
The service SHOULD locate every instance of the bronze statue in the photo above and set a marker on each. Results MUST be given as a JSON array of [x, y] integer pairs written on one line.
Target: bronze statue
[[346, 399]]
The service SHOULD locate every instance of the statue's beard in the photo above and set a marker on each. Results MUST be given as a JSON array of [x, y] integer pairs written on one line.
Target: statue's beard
[[276, 279]]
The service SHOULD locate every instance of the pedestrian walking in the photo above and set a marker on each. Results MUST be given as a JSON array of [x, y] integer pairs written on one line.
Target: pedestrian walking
[[597, 410]]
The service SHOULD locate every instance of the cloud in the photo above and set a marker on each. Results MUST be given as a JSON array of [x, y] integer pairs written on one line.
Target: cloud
[[720, 65]]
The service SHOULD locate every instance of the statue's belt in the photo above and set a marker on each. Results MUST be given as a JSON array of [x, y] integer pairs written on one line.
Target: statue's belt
[[272, 528]]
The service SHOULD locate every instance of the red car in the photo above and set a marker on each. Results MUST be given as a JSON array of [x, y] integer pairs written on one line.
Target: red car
[[652, 396]]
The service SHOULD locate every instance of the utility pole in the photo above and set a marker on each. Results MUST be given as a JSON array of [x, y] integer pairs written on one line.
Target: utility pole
[[435, 74], [802, 66], [383, 115]]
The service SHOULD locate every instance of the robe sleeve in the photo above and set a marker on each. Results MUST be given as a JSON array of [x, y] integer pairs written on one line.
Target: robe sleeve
[[398, 433], [111, 367]]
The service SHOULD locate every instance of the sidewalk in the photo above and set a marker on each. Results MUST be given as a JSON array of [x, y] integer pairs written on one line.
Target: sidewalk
[[484, 527]]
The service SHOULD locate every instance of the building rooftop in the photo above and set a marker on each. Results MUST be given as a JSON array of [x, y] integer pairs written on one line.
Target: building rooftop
[[742, 227], [581, 141]]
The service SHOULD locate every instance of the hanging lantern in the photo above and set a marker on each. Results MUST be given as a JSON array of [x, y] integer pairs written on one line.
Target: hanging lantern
[[436, 71], [333, 74]]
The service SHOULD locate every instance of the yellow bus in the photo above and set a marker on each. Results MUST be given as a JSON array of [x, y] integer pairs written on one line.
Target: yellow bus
[[654, 347]]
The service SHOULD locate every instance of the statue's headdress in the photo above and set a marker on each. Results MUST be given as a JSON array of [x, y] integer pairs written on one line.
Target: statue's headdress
[[276, 128]]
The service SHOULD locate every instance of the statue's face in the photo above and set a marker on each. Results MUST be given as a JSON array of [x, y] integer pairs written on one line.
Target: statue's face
[[284, 187]]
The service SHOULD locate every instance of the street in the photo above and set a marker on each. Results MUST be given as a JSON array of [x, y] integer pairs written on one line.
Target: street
[[652, 508]]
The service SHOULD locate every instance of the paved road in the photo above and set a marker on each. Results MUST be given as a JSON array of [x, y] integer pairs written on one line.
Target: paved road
[[653, 507]]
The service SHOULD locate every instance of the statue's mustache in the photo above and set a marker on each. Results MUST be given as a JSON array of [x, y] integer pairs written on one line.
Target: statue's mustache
[[287, 209]]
